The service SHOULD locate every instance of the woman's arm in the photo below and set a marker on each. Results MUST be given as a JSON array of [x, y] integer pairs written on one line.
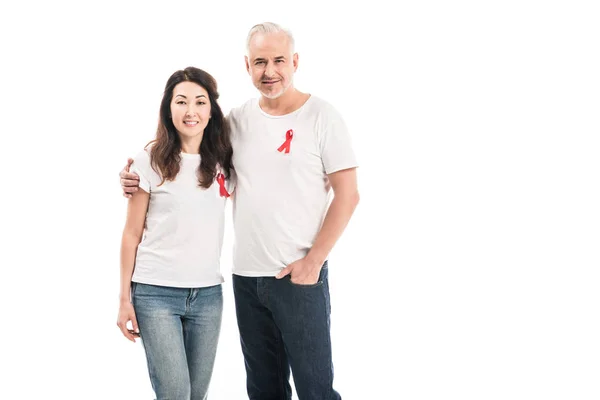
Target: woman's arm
[[132, 236]]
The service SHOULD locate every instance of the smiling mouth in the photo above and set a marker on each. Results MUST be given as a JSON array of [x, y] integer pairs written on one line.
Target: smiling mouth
[[190, 123], [269, 82]]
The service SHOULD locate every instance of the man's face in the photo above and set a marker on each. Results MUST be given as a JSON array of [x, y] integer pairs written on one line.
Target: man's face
[[271, 64]]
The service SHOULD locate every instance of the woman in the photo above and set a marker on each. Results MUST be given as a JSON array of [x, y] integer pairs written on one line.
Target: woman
[[171, 246]]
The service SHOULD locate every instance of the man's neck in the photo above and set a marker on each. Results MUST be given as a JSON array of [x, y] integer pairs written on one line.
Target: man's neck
[[289, 102]]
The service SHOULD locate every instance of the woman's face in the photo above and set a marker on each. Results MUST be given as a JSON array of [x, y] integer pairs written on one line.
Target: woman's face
[[190, 109]]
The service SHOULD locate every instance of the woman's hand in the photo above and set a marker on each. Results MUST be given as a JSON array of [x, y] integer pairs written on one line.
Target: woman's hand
[[126, 314]]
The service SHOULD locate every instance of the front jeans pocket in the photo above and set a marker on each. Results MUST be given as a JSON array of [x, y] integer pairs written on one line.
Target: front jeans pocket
[[322, 277]]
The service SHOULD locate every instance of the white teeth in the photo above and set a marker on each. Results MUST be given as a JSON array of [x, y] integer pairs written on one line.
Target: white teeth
[[191, 123]]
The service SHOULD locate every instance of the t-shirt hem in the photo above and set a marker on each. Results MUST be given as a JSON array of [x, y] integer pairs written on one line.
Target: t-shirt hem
[[256, 274], [193, 284], [341, 167], [144, 186]]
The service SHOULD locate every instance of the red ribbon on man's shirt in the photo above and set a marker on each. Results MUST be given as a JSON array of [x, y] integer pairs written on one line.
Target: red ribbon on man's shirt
[[222, 190], [288, 142]]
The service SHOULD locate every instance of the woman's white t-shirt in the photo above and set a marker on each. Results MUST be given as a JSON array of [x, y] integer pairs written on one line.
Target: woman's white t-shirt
[[183, 233]]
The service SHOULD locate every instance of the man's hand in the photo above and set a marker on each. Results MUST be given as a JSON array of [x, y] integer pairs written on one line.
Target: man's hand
[[302, 271], [129, 181]]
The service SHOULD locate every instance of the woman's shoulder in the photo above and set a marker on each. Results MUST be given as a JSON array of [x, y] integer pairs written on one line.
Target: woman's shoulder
[[143, 156], [142, 160]]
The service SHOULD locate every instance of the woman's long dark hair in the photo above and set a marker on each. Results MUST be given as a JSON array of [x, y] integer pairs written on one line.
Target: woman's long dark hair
[[215, 149]]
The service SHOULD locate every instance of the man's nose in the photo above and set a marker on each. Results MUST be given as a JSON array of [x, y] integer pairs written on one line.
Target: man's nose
[[270, 70]]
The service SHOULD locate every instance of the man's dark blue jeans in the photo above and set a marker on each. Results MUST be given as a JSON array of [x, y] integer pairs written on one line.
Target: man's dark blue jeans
[[285, 325]]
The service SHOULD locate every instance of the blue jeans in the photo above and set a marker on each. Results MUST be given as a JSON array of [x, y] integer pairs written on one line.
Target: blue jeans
[[285, 325], [179, 329]]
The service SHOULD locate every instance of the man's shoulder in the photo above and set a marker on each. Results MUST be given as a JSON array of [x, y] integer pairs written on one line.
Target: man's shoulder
[[322, 108], [238, 112]]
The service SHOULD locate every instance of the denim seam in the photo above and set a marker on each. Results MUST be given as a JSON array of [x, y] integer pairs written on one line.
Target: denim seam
[[328, 325], [279, 363], [277, 343]]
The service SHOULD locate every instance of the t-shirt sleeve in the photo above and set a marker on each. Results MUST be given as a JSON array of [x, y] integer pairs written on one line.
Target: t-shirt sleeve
[[141, 166], [335, 143], [231, 182]]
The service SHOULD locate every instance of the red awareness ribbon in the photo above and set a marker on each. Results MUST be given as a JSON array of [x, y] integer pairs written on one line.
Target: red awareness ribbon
[[221, 179], [288, 142]]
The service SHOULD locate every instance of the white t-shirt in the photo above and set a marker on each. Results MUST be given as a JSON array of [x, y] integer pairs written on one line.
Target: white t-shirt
[[183, 234], [282, 192]]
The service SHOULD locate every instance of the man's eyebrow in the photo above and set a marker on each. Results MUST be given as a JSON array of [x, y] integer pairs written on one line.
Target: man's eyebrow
[[263, 59]]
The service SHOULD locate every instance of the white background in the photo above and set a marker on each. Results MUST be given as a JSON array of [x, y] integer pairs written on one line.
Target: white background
[[470, 268]]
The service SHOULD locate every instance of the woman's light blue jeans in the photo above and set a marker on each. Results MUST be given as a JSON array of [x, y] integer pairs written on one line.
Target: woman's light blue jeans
[[179, 328]]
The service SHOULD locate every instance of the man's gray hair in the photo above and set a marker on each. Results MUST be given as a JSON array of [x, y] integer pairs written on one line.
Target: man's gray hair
[[269, 27]]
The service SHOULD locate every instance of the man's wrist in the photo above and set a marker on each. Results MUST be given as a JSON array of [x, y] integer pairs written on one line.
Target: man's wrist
[[315, 259]]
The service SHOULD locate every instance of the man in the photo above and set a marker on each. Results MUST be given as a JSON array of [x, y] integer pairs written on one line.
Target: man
[[290, 149]]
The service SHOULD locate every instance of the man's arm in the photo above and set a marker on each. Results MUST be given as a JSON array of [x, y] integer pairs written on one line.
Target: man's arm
[[130, 181], [346, 198]]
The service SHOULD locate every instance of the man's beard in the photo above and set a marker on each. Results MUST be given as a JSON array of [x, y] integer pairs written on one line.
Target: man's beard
[[273, 96]]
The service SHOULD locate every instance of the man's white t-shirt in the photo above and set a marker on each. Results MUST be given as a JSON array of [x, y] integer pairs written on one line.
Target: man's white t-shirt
[[282, 192], [183, 234]]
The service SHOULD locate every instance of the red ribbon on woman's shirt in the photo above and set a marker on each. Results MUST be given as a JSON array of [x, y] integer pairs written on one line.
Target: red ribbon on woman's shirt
[[222, 190]]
